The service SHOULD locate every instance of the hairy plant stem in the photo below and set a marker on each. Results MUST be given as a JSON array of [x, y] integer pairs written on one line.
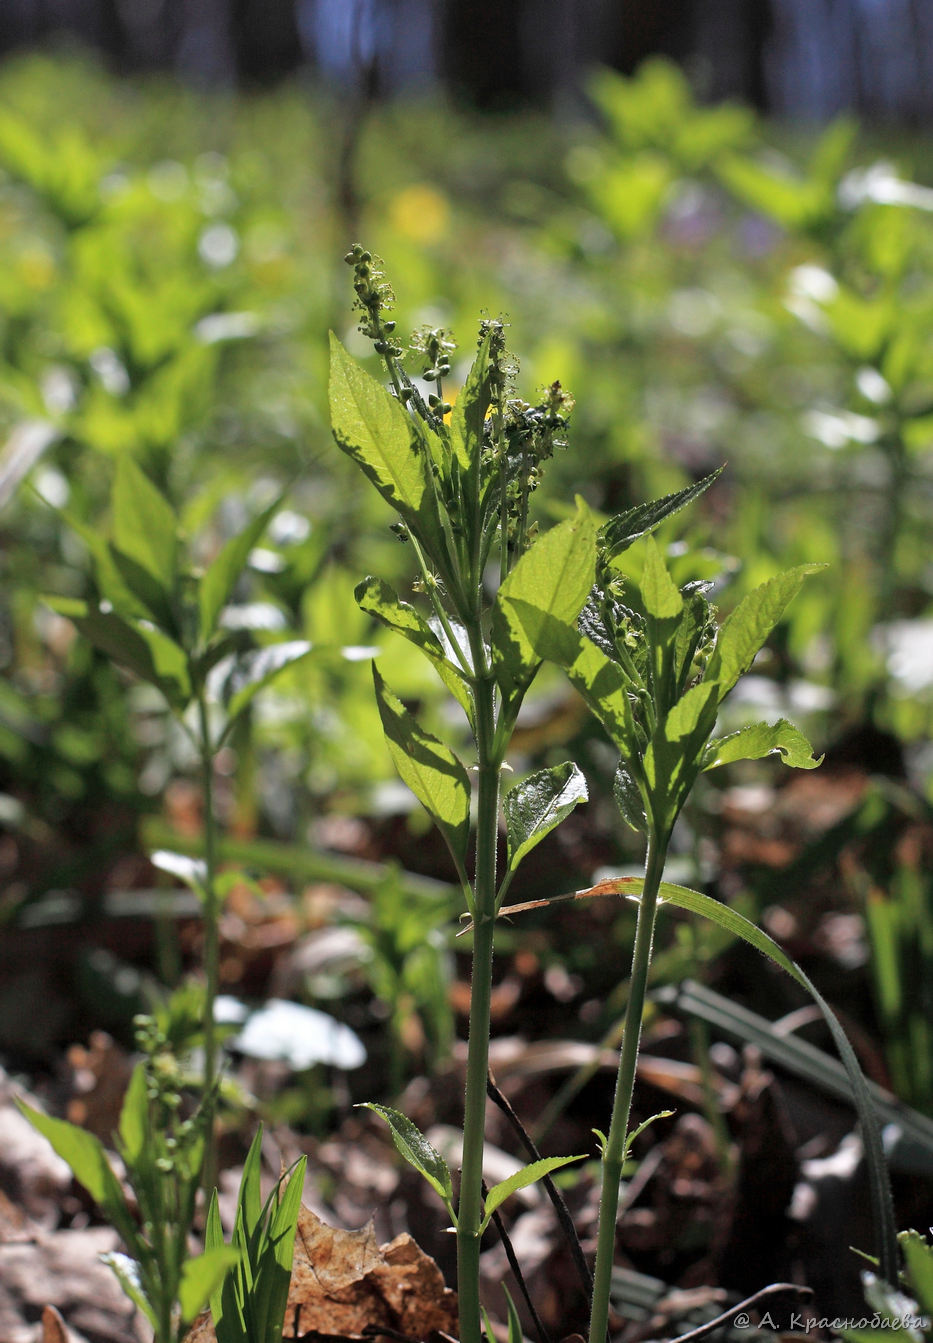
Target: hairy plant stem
[[614, 1151], [211, 932], [470, 1210]]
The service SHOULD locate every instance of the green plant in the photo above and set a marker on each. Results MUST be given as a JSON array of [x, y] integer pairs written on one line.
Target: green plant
[[906, 1305], [163, 1153], [165, 622], [249, 1306], [653, 667], [462, 492]]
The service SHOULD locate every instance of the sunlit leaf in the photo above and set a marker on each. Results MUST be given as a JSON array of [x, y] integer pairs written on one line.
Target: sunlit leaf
[[218, 582], [544, 592], [151, 655], [144, 526], [253, 671], [378, 599], [201, 1276], [273, 1277], [86, 1156], [625, 528], [126, 1271], [417, 1151], [430, 769], [134, 1117], [534, 807], [744, 631], [659, 592], [761, 739], [520, 1180], [697, 704], [374, 430]]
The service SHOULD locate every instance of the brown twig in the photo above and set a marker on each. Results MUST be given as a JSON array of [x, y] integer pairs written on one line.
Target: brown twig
[[516, 1270], [775, 1289], [557, 1199]]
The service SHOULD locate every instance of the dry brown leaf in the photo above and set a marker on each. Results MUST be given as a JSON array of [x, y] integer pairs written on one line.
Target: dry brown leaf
[[343, 1281], [53, 1327]]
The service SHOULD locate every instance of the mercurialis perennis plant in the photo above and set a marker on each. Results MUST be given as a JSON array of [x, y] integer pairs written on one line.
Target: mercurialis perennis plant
[[493, 600]]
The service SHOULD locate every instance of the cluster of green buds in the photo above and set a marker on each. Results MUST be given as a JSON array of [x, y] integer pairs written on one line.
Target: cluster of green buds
[[180, 1140], [164, 1080], [527, 439], [434, 345], [374, 298]]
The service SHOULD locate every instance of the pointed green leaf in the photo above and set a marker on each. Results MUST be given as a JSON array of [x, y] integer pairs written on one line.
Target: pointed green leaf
[[604, 687], [625, 528], [417, 1151], [275, 1269], [254, 670], [88, 1161], [697, 705], [134, 1117], [918, 1257], [543, 594], [145, 651], [110, 582], [659, 592], [516, 1335], [221, 576], [126, 1271], [146, 590], [520, 1180], [378, 599], [229, 1325], [249, 1200], [429, 768], [534, 807], [144, 525], [640, 1128], [201, 1277], [372, 428], [745, 630], [733, 922], [761, 739]]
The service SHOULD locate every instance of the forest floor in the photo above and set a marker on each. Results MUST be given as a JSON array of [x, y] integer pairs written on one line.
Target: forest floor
[[755, 1179]]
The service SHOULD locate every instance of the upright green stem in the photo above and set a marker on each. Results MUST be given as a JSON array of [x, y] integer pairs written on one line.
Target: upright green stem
[[469, 1213], [211, 924], [614, 1153]]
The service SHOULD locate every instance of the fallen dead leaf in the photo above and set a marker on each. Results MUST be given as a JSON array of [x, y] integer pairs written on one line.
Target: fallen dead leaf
[[53, 1327], [343, 1282]]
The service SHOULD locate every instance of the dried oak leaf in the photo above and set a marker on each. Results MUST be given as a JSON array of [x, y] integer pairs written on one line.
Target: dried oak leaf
[[54, 1329], [343, 1281]]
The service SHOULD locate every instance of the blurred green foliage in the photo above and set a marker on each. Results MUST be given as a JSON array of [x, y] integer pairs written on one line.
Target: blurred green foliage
[[707, 287]]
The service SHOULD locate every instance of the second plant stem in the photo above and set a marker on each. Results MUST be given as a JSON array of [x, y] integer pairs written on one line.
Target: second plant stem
[[614, 1151], [211, 934], [470, 1210]]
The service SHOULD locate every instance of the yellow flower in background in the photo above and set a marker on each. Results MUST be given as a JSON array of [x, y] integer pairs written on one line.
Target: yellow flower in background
[[36, 267], [419, 212]]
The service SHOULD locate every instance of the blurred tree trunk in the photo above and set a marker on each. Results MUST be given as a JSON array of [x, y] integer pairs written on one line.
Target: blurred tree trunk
[[480, 50], [268, 44]]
